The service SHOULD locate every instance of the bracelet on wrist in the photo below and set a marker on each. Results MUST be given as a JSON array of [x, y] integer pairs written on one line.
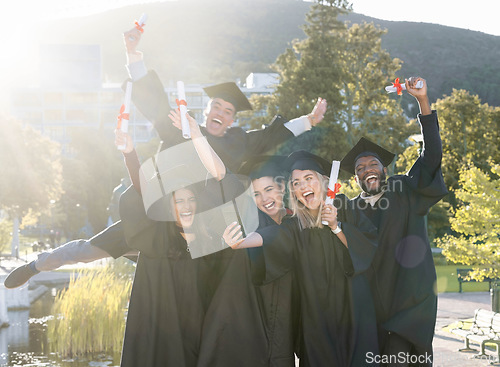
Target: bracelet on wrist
[[338, 229]]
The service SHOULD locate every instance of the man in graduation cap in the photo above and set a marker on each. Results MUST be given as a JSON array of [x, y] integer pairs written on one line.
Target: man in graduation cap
[[233, 144], [404, 278]]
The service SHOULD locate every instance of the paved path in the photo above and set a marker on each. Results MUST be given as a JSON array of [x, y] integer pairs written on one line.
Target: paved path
[[453, 307]]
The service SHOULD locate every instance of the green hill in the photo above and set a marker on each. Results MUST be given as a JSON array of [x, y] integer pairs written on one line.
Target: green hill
[[220, 40], [448, 57]]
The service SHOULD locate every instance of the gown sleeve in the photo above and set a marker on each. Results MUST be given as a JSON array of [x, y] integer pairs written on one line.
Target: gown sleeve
[[256, 254], [150, 98], [425, 178], [137, 227], [133, 167], [263, 140], [276, 257], [111, 240]]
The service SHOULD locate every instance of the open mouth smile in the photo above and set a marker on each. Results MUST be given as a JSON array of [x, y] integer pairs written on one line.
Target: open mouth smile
[[269, 205], [371, 179], [308, 196]]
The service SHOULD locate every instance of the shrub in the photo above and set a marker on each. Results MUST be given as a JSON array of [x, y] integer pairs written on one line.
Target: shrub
[[90, 313]]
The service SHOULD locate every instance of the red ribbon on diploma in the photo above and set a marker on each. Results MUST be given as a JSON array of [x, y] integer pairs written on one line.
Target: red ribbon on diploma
[[139, 27], [331, 194], [122, 116], [180, 102], [398, 86]]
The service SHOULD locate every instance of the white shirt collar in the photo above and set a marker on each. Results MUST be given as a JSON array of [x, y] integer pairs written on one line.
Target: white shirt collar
[[371, 199]]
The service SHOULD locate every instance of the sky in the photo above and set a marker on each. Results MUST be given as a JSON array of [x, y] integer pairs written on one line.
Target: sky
[[477, 15], [20, 16]]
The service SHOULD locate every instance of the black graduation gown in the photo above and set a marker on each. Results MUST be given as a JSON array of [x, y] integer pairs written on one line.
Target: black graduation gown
[[403, 280], [279, 304], [403, 276], [247, 325], [201, 312], [331, 303], [170, 297], [250, 325], [235, 147]]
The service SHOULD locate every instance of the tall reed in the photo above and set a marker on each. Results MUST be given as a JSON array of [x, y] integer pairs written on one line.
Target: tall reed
[[90, 313]]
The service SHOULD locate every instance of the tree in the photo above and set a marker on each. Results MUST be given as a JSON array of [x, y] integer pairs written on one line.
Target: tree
[[347, 66], [438, 222], [367, 110], [312, 69], [31, 175], [73, 201], [90, 176], [92, 172], [469, 131], [256, 120], [476, 222]]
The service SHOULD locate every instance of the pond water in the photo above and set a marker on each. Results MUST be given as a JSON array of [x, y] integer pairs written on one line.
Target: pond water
[[25, 342]]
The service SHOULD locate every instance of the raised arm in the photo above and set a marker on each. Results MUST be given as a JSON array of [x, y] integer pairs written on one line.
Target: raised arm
[[108, 243], [148, 94], [280, 130], [135, 64], [305, 123], [432, 150], [208, 157], [420, 94], [130, 157]]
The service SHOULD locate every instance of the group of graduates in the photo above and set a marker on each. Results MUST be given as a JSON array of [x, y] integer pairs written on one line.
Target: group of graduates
[[348, 284]]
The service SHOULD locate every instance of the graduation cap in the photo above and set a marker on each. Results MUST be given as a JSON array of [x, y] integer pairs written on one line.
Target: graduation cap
[[365, 148], [231, 93], [304, 160], [262, 166]]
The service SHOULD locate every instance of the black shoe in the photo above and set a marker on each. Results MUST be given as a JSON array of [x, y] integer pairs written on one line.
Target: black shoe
[[20, 275]]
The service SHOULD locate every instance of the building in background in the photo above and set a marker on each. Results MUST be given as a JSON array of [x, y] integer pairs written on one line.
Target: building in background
[[71, 94]]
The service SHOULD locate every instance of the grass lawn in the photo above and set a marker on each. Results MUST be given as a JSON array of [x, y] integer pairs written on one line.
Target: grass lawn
[[447, 280]]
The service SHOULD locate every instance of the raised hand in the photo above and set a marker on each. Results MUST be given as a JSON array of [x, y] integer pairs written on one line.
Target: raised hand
[[131, 39], [124, 139], [329, 214], [420, 94], [175, 116], [410, 86], [318, 112]]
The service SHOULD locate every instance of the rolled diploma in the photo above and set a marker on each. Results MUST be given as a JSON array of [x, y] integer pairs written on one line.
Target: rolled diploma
[[126, 110], [334, 174], [142, 19], [141, 22], [392, 89], [181, 94]]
